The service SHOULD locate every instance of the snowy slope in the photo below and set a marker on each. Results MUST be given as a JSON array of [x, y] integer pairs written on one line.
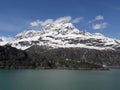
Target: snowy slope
[[61, 35], [5, 40]]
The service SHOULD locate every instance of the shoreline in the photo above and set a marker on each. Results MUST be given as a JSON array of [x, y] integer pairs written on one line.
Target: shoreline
[[47, 68]]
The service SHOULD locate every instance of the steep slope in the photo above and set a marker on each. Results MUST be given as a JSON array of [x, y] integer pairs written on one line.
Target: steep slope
[[62, 35]]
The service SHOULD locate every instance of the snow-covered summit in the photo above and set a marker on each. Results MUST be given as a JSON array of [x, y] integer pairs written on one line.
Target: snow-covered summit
[[62, 35]]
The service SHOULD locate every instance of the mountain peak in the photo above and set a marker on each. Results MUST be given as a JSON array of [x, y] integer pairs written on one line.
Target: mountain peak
[[60, 26]]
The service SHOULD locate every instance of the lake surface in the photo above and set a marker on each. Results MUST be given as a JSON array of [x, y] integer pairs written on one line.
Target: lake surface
[[59, 80]]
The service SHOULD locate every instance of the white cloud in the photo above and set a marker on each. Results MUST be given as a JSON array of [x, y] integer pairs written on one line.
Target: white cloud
[[66, 19], [99, 26], [98, 23], [63, 19], [41, 23], [77, 20], [48, 21], [99, 17], [35, 23]]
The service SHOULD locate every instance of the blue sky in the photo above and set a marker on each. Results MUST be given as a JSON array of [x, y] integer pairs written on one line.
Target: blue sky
[[16, 15]]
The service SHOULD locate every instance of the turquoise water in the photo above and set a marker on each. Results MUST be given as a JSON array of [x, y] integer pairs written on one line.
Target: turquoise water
[[59, 80]]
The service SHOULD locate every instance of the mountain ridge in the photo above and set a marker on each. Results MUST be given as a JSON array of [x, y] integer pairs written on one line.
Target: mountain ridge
[[61, 35]]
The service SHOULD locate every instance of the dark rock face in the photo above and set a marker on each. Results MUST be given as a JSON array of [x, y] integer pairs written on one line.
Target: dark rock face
[[26, 43], [107, 57], [11, 57], [68, 58]]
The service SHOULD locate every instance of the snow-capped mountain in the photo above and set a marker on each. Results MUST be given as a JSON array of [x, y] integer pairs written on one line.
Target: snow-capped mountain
[[61, 35], [5, 40]]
